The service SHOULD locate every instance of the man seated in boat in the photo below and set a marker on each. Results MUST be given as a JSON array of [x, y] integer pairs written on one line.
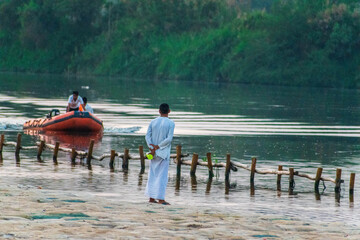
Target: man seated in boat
[[88, 108], [74, 102]]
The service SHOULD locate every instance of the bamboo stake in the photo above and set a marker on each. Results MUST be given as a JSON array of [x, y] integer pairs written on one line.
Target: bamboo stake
[[142, 159], [338, 180], [112, 158], [90, 152], [125, 162], [210, 165], [194, 163], [2, 140], [317, 179], [40, 148], [18, 145], [291, 181], [278, 181], [56, 150], [178, 161]]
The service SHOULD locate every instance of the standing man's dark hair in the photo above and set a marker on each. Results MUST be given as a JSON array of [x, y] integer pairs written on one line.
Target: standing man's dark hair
[[76, 93], [164, 108]]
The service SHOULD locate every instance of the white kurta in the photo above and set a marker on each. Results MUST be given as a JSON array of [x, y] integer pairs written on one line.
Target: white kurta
[[160, 132]]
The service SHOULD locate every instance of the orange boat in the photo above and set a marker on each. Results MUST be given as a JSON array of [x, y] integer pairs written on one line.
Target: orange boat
[[77, 140], [74, 121]]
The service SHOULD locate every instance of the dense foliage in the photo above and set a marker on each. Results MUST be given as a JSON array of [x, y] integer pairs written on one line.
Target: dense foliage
[[287, 42]]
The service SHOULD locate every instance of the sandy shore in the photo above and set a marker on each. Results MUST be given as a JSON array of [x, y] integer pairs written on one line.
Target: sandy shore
[[34, 213]]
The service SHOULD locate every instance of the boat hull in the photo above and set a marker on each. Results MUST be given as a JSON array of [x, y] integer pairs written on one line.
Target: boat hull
[[74, 121]]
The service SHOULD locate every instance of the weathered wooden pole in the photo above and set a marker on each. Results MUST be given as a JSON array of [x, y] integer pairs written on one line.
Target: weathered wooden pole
[[142, 159], [2, 141], [194, 163], [40, 148], [18, 145], [112, 158], [73, 156], [125, 162], [227, 168], [338, 180], [278, 180], [90, 152], [208, 185], [178, 161], [210, 166], [253, 167], [252, 176], [291, 181], [56, 150], [351, 187], [227, 174], [193, 183], [317, 179]]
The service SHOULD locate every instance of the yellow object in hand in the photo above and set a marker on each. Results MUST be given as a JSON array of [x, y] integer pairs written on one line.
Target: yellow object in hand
[[149, 156]]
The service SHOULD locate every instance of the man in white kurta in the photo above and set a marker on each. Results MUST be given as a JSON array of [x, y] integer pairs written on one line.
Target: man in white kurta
[[158, 137]]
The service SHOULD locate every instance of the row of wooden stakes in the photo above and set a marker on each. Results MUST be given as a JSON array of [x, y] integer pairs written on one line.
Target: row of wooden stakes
[[179, 160]]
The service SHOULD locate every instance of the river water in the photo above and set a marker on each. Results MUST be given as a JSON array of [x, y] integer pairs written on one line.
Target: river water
[[303, 128]]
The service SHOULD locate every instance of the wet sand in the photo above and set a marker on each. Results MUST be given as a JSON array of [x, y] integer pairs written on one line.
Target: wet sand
[[30, 212]]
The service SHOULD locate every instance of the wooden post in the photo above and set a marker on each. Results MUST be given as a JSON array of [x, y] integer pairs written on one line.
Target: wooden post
[[193, 183], [142, 159], [208, 185], [125, 163], [194, 163], [178, 161], [317, 179], [40, 148], [352, 183], [227, 174], [73, 156], [56, 150], [90, 152], [338, 180], [227, 168], [252, 176], [253, 167], [18, 145], [278, 181], [210, 166], [291, 181], [112, 158], [178, 168], [2, 141]]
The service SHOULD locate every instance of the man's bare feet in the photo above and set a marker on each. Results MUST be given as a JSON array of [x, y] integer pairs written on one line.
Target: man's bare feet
[[163, 202], [152, 200]]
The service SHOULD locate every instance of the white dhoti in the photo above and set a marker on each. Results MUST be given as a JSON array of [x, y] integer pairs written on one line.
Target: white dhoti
[[157, 178]]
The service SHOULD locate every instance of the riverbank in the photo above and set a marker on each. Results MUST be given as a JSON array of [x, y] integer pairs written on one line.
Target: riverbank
[[30, 212], [312, 43]]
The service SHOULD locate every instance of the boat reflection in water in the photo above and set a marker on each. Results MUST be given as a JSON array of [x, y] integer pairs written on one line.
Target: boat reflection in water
[[77, 140]]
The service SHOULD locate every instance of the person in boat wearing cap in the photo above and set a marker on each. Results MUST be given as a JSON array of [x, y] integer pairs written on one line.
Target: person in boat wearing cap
[[74, 102], [158, 137], [88, 108]]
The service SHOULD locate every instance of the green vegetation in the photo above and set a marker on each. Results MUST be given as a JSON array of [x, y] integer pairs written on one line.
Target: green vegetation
[[286, 42]]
